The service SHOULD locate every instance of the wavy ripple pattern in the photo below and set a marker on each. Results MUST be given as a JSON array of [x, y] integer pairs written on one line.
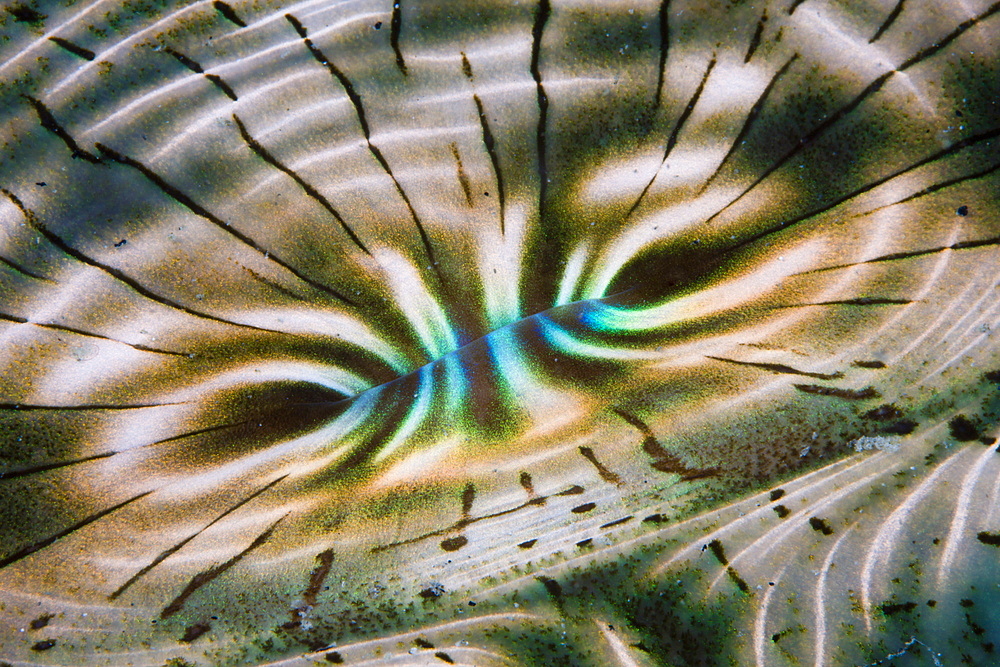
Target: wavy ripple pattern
[[499, 333]]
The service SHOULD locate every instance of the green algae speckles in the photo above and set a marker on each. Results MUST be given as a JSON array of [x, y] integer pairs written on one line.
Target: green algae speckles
[[492, 333]]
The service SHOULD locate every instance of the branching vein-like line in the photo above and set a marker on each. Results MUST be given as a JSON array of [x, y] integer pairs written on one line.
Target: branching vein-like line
[[268, 157], [872, 88], [188, 203], [672, 141], [175, 548], [55, 240], [48, 541], [206, 576], [359, 111]]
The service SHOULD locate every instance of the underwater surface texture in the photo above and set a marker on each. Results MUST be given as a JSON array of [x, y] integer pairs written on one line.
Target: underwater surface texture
[[554, 332]]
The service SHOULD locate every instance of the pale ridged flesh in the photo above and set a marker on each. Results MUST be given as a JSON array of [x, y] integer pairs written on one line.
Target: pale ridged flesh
[[494, 333]]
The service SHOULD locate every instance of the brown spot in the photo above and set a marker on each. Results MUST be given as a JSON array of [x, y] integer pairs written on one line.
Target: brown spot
[[44, 645], [992, 539], [194, 631], [837, 392], [40, 622], [776, 494], [820, 525], [454, 543], [890, 609], [781, 511], [580, 509], [884, 413], [962, 429]]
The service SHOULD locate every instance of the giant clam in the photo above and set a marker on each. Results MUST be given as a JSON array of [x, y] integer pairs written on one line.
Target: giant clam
[[542, 332]]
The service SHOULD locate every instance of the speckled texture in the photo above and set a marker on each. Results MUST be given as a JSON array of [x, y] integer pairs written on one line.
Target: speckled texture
[[494, 333]]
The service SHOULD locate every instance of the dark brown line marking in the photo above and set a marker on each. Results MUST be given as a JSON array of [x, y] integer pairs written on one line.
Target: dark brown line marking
[[778, 368], [872, 88], [184, 60], [489, 142], [529, 487], [937, 186], [318, 576], [469, 520], [604, 473], [395, 28], [49, 122], [206, 576], [715, 546], [751, 117], [468, 497], [270, 283], [88, 334], [663, 460], [616, 522], [175, 548], [201, 212], [755, 40], [222, 85], [359, 110], [55, 240], [457, 542], [86, 54], [737, 579], [537, 31], [463, 178], [229, 13], [41, 544], [954, 148], [795, 5], [837, 392], [893, 15], [268, 157], [23, 271], [554, 591], [672, 140], [863, 301], [664, 51], [324, 562], [466, 67], [29, 407], [23, 472]]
